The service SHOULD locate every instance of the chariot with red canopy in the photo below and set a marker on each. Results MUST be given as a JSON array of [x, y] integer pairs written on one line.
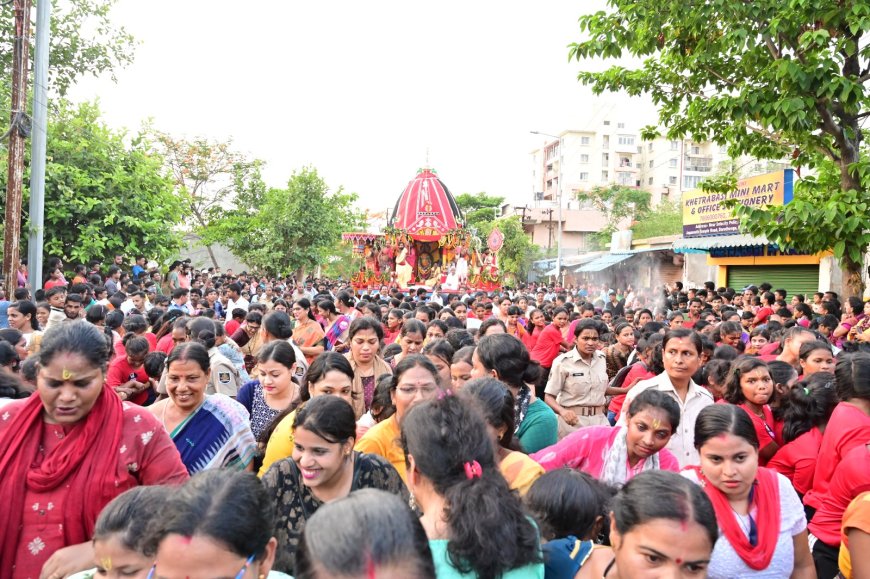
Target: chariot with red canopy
[[425, 244]]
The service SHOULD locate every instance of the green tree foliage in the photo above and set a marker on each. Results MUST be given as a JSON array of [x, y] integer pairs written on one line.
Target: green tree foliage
[[208, 176], [84, 40], [284, 230], [665, 219], [518, 252], [102, 195], [771, 79], [479, 208], [618, 204]]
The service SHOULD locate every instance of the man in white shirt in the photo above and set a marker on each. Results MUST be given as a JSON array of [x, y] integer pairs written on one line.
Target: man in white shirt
[[234, 293], [681, 354]]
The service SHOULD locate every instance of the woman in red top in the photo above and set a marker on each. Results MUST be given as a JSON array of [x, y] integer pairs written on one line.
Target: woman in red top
[[849, 425], [393, 326], [127, 374], [537, 323], [55, 279], [750, 387], [805, 411], [815, 357], [851, 480], [551, 342], [69, 450], [650, 365]]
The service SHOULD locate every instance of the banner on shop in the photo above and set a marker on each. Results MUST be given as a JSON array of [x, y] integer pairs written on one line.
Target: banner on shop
[[704, 215]]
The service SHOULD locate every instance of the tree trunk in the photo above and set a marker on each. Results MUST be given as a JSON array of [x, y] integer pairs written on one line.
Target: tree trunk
[[212, 256], [853, 285]]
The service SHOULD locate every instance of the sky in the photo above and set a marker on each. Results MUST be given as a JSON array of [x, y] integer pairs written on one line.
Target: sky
[[365, 92]]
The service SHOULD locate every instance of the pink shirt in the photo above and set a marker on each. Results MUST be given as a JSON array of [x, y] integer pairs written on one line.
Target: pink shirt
[[586, 449]]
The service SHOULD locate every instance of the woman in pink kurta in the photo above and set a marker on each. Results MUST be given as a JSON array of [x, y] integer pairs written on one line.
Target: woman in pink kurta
[[616, 455], [66, 452]]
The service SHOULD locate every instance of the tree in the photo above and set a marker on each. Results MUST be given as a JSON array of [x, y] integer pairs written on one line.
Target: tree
[[208, 177], [771, 79], [518, 252], [618, 204], [665, 219], [83, 41], [102, 195], [479, 208], [283, 230]]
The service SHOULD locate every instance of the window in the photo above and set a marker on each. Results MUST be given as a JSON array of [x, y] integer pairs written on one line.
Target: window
[[626, 139], [651, 164], [605, 176], [675, 145], [624, 178], [691, 181], [620, 125], [696, 150], [585, 140], [605, 141], [650, 181], [650, 147], [584, 176], [606, 123], [584, 159], [625, 161], [672, 180], [672, 163], [605, 158]]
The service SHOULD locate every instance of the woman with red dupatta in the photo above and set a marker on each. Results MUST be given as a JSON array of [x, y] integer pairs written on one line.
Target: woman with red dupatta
[[762, 526], [66, 452]]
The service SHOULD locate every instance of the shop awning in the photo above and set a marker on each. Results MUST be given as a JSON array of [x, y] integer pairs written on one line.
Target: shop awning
[[704, 244], [605, 261], [575, 262]]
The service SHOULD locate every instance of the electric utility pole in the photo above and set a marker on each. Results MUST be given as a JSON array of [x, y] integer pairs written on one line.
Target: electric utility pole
[[19, 130]]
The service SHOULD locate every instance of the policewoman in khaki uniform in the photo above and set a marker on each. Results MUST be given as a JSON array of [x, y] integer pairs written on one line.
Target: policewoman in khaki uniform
[[224, 378], [578, 380]]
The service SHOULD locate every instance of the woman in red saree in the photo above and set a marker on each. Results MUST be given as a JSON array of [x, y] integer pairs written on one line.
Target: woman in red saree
[[69, 450]]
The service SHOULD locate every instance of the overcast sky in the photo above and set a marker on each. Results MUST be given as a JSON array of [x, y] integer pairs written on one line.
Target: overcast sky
[[359, 90]]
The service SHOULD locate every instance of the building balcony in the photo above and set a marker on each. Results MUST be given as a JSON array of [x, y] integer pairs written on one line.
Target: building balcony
[[624, 148]]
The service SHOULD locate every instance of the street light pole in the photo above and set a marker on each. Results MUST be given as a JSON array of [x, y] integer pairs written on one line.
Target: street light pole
[[558, 208]]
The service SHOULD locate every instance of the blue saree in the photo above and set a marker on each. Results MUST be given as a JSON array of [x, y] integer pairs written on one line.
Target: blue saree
[[216, 435]]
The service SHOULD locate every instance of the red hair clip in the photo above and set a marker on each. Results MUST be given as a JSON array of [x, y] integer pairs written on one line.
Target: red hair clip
[[473, 470]]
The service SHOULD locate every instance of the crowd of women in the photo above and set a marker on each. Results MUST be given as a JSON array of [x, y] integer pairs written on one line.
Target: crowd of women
[[322, 434]]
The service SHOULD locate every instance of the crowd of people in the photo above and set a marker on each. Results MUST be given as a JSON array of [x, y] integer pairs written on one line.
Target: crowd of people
[[206, 424]]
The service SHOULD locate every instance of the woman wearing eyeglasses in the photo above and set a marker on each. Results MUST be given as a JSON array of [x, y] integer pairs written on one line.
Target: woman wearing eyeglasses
[[415, 380], [763, 529]]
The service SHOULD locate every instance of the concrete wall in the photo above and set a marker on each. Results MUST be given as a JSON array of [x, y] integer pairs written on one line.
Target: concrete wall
[[696, 271], [198, 254]]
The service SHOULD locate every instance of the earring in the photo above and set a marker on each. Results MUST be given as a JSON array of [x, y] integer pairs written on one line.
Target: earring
[[412, 502]]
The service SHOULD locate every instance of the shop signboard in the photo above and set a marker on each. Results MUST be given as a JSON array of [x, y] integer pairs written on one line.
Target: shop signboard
[[704, 215]]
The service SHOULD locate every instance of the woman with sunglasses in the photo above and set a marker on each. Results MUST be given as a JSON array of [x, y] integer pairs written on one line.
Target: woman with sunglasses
[[763, 529]]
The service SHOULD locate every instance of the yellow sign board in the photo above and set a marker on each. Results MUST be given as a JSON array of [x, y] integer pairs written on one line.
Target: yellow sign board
[[704, 215]]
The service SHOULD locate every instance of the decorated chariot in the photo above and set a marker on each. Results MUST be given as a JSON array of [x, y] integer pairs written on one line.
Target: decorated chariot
[[425, 244]]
